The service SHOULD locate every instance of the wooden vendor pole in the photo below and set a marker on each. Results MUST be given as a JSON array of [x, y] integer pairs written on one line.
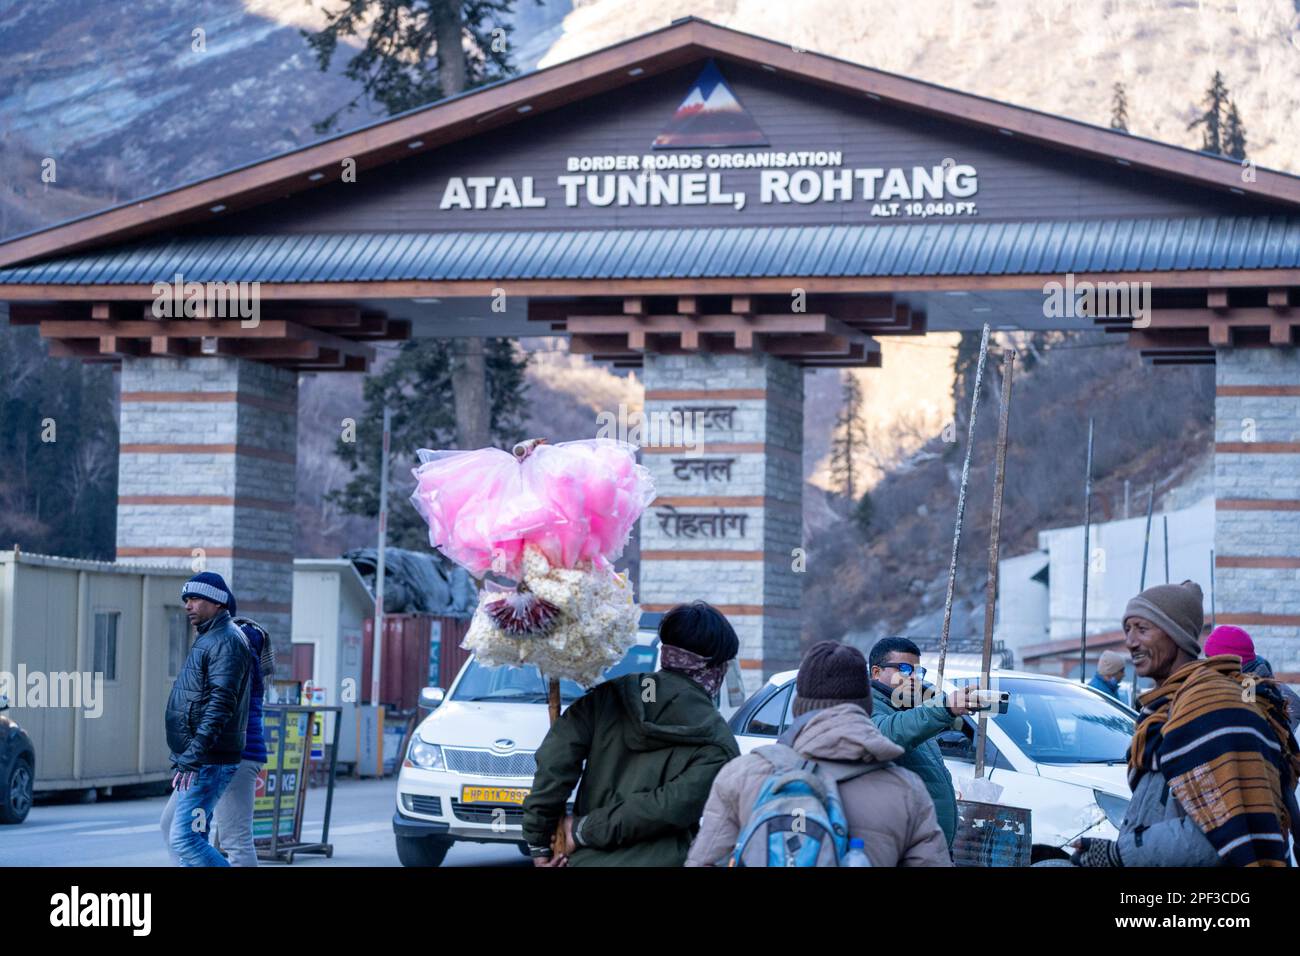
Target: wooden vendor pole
[[961, 508], [521, 451], [995, 528]]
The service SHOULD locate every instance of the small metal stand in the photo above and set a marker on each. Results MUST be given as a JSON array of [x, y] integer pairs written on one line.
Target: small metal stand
[[283, 851]]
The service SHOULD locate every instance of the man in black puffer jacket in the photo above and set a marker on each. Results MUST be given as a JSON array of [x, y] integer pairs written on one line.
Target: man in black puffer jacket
[[206, 717]]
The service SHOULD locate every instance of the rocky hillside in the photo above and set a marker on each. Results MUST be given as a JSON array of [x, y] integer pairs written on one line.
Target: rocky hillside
[[1061, 56], [892, 576], [127, 101]]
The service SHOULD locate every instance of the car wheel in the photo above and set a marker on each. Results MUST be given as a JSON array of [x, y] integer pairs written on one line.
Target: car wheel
[[16, 792], [422, 851]]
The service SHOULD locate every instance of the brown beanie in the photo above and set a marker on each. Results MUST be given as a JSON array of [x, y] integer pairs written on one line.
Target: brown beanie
[[829, 674], [1174, 608]]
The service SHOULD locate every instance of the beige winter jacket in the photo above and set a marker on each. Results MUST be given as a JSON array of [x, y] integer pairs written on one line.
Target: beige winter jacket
[[888, 808]]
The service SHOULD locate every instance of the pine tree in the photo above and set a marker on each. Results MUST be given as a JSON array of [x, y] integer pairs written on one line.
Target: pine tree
[[58, 450], [1212, 120], [1119, 109], [416, 385], [1234, 133], [964, 367], [415, 51], [848, 440]]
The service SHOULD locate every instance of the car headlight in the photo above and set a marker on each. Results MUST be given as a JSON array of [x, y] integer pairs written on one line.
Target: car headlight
[[428, 756], [1113, 806]]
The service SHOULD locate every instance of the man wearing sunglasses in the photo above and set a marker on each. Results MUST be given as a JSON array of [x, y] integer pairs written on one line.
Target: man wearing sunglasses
[[905, 712]]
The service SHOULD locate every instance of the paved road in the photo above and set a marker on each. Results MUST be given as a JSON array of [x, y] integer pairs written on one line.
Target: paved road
[[125, 832]]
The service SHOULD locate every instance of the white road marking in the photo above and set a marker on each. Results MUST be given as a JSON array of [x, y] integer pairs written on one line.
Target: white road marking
[[124, 831], [50, 828]]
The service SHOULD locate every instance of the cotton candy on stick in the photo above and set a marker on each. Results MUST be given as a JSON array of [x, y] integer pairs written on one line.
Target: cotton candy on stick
[[553, 519]]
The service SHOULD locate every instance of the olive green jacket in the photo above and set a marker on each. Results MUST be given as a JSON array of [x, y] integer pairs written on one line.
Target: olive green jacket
[[652, 744]]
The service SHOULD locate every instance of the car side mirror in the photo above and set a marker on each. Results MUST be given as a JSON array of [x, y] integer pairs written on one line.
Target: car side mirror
[[431, 697], [954, 740]]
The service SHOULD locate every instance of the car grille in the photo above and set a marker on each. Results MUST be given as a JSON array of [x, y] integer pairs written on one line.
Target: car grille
[[487, 813], [484, 763], [418, 803]]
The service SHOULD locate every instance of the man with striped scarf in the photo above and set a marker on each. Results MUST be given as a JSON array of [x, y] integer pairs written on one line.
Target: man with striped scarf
[[1212, 767]]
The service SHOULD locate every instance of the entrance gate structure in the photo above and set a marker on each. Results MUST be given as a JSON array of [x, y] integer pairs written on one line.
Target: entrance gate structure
[[719, 211]]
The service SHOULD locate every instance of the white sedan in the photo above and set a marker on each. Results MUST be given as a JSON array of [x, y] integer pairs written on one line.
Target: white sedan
[[1058, 751]]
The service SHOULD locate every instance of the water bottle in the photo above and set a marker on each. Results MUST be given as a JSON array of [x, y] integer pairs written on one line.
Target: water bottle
[[857, 855]]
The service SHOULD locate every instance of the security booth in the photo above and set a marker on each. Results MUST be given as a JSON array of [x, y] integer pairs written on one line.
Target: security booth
[[719, 211]]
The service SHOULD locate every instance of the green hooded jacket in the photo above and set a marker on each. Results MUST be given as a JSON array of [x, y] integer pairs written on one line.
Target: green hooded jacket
[[914, 730], [652, 744]]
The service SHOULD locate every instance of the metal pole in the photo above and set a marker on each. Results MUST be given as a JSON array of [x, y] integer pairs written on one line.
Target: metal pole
[[1126, 484], [376, 645], [1166, 522], [961, 507], [1214, 618], [334, 763], [1146, 542], [1087, 560], [995, 530]]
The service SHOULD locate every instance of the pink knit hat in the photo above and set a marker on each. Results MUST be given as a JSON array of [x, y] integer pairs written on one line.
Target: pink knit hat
[[1226, 639]]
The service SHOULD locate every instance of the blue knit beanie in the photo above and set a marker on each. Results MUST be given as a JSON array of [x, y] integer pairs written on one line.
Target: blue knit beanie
[[210, 585]]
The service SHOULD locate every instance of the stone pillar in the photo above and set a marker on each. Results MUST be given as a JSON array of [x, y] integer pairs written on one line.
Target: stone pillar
[[206, 475], [1257, 492], [728, 519]]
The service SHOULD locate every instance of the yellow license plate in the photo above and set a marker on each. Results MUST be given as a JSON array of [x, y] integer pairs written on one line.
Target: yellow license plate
[[513, 795]]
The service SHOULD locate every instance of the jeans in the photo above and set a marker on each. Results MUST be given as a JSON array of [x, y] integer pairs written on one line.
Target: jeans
[[235, 815], [192, 811]]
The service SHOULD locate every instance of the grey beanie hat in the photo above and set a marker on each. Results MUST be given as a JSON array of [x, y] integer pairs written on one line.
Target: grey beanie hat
[[1177, 609]]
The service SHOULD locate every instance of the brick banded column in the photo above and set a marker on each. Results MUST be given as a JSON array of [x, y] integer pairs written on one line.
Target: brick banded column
[[208, 450], [1257, 492], [727, 520]]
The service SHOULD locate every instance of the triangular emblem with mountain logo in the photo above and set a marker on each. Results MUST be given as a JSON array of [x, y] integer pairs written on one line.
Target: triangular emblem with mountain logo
[[710, 115]]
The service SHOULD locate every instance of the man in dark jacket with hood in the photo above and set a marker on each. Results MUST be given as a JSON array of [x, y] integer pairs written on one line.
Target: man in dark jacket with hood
[[206, 717], [652, 744]]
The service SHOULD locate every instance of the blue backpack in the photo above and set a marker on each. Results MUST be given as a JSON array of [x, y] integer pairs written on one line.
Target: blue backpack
[[798, 819]]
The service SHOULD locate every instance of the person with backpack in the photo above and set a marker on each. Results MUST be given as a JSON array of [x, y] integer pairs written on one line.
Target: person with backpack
[[828, 782], [642, 750]]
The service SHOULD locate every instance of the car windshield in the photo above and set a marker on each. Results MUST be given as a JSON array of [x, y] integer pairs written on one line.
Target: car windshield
[[524, 685], [1063, 723]]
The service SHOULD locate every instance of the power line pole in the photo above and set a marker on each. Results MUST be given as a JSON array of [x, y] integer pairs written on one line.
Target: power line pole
[[1087, 528], [376, 645]]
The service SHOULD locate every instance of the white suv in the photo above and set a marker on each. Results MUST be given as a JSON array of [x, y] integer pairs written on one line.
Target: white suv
[[470, 763]]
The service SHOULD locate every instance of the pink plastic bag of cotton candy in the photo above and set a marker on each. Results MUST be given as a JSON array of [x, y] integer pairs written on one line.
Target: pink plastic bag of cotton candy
[[576, 502]]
